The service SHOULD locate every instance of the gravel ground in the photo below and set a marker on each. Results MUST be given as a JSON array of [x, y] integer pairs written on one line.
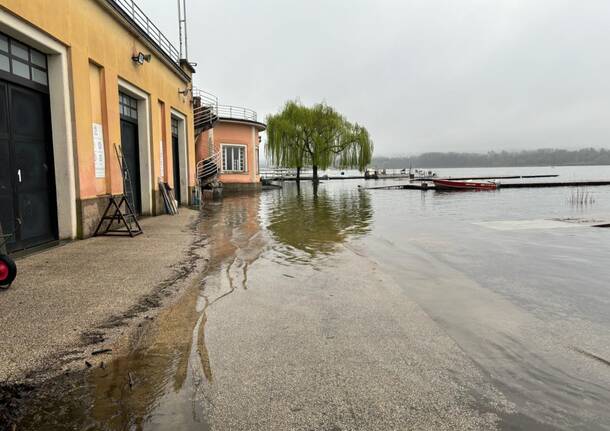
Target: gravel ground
[[70, 300]]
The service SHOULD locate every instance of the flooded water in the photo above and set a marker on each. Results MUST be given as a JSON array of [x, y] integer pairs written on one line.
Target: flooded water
[[344, 308]]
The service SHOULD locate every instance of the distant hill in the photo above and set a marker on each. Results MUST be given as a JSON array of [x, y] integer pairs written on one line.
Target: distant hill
[[541, 157]]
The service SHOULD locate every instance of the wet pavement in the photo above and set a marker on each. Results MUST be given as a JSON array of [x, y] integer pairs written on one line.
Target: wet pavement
[[344, 309]]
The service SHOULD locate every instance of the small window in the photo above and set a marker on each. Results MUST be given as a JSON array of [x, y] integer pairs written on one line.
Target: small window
[[38, 59], [20, 60], [3, 43], [21, 69], [4, 63], [234, 158], [39, 76], [128, 106], [174, 127], [19, 50]]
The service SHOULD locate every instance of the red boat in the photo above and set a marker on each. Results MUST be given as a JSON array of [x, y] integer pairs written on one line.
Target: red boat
[[463, 185]]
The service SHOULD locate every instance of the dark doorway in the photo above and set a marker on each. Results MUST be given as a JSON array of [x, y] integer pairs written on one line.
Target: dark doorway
[[128, 107], [176, 160], [28, 207]]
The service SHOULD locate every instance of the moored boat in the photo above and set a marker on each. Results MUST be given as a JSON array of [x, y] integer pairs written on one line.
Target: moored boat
[[464, 185]]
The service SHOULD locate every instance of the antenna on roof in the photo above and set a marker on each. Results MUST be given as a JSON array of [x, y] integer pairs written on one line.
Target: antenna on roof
[[184, 50]]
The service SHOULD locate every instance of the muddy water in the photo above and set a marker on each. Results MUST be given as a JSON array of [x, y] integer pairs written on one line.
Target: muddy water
[[339, 308]]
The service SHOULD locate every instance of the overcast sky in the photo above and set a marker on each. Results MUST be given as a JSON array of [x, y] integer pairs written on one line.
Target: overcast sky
[[421, 75]]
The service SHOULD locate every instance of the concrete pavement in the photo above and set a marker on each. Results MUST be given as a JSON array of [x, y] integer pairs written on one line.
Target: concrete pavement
[[75, 298]]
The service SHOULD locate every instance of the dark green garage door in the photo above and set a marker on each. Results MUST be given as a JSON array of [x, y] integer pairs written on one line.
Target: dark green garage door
[[128, 107], [27, 194]]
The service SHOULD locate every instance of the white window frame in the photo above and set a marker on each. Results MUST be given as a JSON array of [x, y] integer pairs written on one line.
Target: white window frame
[[229, 171]]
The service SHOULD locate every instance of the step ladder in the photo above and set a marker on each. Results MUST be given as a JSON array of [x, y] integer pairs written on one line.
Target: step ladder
[[120, 219], [127, 185]]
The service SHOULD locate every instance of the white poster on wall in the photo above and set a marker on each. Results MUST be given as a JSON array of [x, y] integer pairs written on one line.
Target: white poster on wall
[[99, 157], [161, 161]]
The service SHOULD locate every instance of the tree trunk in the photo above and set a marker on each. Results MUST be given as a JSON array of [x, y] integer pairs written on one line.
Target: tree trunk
[[298, 174], [315, 174]]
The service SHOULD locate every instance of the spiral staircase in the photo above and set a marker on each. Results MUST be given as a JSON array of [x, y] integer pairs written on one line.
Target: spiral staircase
[[205, 112]]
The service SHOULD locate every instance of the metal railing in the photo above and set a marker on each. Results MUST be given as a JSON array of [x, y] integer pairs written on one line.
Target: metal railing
[[139, 18], [205, 108], [236, 113], [283, 173], [208, 169]]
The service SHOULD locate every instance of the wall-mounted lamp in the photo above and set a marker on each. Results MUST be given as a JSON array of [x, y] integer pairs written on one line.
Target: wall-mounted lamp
[[185, 92], [140, 58]]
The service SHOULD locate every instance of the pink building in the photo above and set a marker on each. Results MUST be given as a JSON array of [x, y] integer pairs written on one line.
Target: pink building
[[227, 144]]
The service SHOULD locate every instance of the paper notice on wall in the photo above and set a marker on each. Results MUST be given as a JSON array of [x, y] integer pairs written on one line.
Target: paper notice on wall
[[98, 151], [161, 161]]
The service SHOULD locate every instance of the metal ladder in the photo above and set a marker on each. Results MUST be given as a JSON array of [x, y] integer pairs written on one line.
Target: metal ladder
[[130, 214]]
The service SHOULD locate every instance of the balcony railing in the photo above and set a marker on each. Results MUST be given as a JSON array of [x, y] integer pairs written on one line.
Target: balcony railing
[[132, 11], [207, 111], [236, 113]]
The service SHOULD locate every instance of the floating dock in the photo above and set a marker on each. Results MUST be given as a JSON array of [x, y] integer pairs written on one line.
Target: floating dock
[[399, 176], [426, 186], [512, 177]]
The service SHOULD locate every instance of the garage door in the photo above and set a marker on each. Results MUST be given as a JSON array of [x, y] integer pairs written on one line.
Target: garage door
[[27, 194], [128, 107], [176, 160]]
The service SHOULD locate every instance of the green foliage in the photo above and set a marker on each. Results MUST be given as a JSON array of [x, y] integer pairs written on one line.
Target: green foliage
[[316, 136]]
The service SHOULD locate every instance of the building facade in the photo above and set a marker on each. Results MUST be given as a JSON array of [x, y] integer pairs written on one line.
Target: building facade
[[76, 78], [233, 143]]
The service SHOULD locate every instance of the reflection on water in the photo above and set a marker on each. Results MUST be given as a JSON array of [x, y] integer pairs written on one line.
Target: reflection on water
[[165, 374], [315, 219], [162, 378]]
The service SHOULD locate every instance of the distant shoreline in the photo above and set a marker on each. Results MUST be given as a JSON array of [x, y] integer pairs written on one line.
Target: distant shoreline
[[502, 159]]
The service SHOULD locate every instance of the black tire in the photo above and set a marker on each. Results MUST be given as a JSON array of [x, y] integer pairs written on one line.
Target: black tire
[[12, 271]]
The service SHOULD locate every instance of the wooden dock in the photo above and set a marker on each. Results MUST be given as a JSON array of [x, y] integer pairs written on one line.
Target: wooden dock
[[426, 186], [511, 177], [400, 176]]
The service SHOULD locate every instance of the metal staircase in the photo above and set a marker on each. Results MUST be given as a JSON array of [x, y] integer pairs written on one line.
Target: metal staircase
[[205, 110], [205, 113], [208, 170]]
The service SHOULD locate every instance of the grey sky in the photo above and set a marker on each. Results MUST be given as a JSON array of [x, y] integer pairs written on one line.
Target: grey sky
[[421, 75]]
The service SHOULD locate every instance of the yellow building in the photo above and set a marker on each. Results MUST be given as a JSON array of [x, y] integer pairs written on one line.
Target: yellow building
[[76, 78]]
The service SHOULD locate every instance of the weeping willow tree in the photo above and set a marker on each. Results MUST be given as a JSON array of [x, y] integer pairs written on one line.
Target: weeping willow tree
[[319, 137], [287, 135]]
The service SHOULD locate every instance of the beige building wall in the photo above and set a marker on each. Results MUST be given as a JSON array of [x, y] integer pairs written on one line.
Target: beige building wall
[[89, 47]]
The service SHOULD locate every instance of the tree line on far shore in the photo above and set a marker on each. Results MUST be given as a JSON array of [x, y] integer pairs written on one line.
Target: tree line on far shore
[[540, 157], [318, 137]]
